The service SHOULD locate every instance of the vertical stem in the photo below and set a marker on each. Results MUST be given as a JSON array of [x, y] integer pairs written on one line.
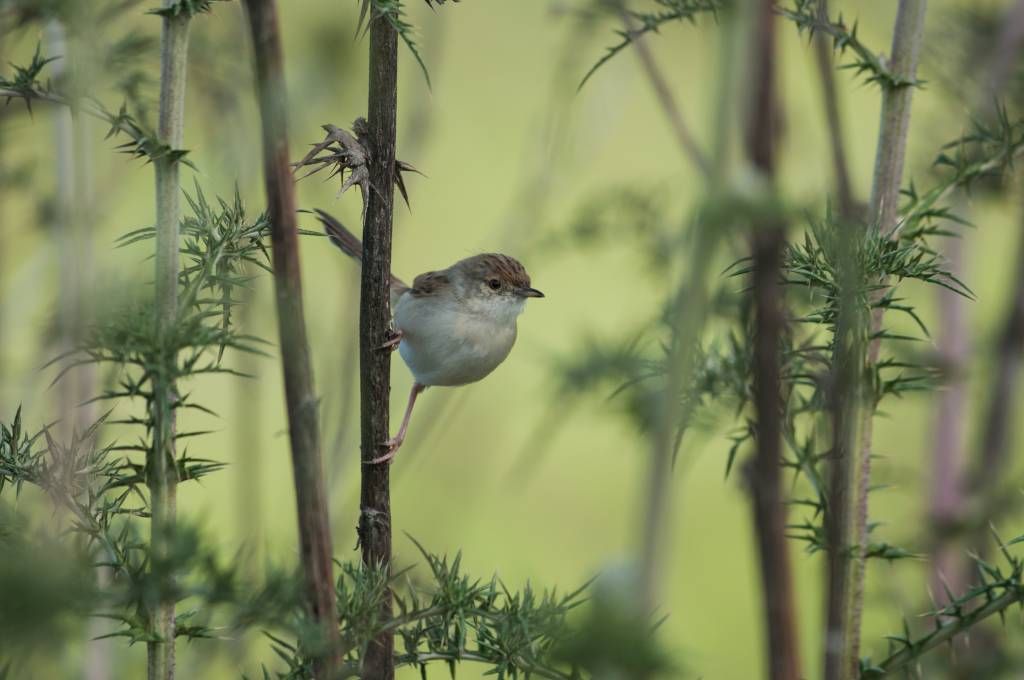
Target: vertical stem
[[687, 144], [67, 251], [895, 120], [249, 451], [947, 496], [687, 306], [1000, 417], [303, 426], [1010, 344], [826, 71], [849, 503], [3, 249], [374, 321], [76, 211], [162, 470], [767, 242]]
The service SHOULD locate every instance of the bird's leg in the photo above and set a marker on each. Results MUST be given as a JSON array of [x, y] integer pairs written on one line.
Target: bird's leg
[[394, 337], [392, 444]]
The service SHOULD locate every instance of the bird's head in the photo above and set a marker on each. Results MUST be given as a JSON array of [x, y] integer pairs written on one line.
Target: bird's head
[[494, 284]]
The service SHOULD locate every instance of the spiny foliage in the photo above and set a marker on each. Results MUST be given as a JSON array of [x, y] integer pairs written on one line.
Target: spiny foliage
[[834, 264], [26, 80], [101, 487], [186, 8], [669, 11], [219, 245], [809, 17], [393, 11], [997, 589], [450, 618], [99, 493], [988, 151], [27, 85], [347, 153]]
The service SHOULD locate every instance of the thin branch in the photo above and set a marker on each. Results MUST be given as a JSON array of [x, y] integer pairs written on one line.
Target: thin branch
[[826, 71], [687, 307], [687, 143], [374, 323], [944, 633], [300, 395], [767, 244]]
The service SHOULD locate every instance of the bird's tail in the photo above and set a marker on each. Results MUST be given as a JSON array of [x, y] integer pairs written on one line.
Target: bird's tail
[[350, 244], [340, 236]]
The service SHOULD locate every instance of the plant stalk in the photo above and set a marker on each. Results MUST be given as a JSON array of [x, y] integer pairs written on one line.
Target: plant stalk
[[374, 325], [687, 143], [303, 423], [162, 471], [849, 503], [765, 472], [1002, 406], [995, 438], [826, 71], [687, 307]]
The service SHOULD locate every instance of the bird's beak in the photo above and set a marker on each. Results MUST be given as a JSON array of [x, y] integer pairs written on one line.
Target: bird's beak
[[530, 292]]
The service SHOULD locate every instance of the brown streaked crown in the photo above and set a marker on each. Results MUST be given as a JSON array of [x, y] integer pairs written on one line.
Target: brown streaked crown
[[496, 265]]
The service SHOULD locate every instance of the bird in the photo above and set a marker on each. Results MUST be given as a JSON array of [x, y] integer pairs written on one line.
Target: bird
[[452, 326]]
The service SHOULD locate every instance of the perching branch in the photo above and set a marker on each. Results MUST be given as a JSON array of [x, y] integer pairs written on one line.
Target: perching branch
[[303, 423], [374, 325]]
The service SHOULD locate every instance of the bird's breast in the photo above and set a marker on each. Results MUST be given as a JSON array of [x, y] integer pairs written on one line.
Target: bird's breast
[[444, 346]]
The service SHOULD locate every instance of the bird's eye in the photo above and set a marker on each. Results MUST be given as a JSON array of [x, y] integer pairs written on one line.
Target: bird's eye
[[495, 284]]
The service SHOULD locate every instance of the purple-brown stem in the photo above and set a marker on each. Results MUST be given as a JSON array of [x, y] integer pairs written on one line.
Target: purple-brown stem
[[300, 397], [767, 242]]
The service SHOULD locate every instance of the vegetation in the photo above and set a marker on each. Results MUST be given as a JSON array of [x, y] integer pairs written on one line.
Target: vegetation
[[794, 317]]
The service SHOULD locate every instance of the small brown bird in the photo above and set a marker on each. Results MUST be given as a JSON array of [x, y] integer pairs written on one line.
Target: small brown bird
[[454, 326]]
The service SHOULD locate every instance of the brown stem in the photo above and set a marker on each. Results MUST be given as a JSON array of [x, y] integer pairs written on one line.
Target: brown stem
[[300, 397], [767, 243], [998, 421], [1002, 409], [1004, 55], [374, 322], [947, 497]]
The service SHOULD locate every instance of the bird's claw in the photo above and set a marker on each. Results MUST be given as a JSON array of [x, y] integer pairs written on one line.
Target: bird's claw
[[394, 338], [391, 448]]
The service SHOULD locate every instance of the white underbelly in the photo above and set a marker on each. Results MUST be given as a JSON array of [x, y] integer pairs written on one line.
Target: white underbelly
[[445, 348]]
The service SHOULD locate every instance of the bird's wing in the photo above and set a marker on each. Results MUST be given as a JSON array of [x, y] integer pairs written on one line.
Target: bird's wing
[[430, 283]]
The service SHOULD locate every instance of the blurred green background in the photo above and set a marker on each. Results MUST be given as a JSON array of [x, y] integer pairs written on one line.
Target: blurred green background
[[512, 155]]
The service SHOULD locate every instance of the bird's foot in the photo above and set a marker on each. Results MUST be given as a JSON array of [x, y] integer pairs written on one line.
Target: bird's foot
[[394, 338], [391, 447]]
